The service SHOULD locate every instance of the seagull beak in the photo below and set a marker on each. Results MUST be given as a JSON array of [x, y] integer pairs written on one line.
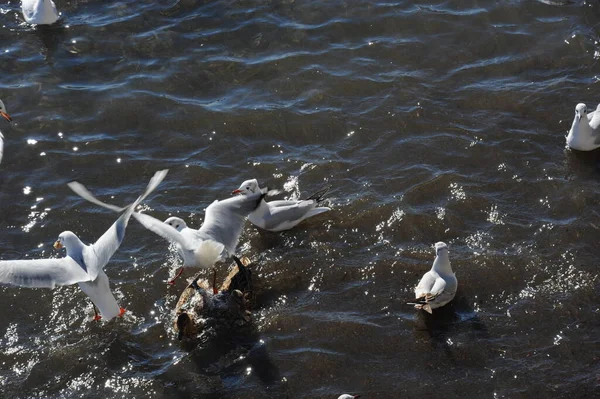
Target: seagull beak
[[236, 191], [58, 245], [6, 116]]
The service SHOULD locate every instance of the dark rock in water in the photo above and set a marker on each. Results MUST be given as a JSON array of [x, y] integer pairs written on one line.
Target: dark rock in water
[[198, 308]]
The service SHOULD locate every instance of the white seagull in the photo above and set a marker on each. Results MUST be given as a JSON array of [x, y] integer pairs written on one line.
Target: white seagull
[[39, 12], [346, 396], [216, 240], [284, 214], [585, 130], [6, 116], [83, 264], [438, 286]]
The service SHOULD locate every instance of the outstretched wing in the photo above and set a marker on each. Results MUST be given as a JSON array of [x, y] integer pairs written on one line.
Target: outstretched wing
[[164, 230], [224, 220], [97, 255], [42, 273]]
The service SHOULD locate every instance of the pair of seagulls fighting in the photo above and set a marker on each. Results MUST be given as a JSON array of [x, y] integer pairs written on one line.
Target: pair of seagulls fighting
[[216, 240]]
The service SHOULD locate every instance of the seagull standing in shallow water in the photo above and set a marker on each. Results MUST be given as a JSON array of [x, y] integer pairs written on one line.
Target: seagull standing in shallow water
[[281, 215], [438, 286], [83, 264], [6, 116], [39, 12], [215, 241], [585, 130]]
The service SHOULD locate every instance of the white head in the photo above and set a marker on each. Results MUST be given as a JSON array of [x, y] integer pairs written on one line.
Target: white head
[[3, 112], [346, 396], [580, 111], [248, 187], [68, 240], [177, 223], [441, 248], [442, 261]]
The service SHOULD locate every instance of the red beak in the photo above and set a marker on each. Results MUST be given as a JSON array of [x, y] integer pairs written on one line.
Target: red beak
[[6, 116], [236, 191]]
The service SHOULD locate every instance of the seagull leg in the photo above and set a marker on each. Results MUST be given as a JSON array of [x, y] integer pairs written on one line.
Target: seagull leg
[[215, 290], [121, 312], [175, 278], [97, 316]]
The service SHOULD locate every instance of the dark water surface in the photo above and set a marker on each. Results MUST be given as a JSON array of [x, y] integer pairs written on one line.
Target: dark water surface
[[433, 121]]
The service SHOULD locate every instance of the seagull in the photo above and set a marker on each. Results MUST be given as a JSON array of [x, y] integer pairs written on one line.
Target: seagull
[[281, 215], [215, 241], [438, 286], [83, 264], [585, 131], [39, 12], [346, 396], [6, 116]]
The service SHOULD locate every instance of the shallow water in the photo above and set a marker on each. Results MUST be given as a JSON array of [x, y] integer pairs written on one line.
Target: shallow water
[[433, 121]]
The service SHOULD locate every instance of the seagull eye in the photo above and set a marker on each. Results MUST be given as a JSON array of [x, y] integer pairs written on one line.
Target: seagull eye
[[248, 188]]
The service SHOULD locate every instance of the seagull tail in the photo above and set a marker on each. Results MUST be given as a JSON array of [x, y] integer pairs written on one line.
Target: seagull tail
[[425, 307], [208, 253], [318, 196]]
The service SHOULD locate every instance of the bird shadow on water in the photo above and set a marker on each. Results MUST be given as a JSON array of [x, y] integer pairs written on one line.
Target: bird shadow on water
[[51, 36], [447, 323], [582, 163], [222, 361]]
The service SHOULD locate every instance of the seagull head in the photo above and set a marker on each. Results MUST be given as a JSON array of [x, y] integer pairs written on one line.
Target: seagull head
[[67, 239], [346, 396], [3, 112], [177, 223], [580, 111], [440, 248], [247, 187]]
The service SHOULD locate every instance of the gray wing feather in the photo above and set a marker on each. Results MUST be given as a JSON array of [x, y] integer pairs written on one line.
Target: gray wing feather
[[97, 256], [42, 273], [224, 220], [287, 213], [84, 193], [162, 229]]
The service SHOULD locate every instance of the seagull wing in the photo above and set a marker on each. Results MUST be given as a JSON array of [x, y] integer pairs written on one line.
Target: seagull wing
[[285, 214], [427, 282], [224, 220], [42, 273], [97, 256], [164, 230]]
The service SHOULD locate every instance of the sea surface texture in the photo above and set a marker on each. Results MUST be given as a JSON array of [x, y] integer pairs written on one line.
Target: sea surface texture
[[430, 120]]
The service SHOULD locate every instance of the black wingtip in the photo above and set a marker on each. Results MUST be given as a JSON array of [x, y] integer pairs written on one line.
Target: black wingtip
[[318, 196]]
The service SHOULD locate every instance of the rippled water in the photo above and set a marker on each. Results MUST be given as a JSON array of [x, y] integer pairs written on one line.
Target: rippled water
[[431, 120]]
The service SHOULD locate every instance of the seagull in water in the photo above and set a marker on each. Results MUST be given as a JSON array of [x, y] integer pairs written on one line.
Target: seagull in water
[[83, 264], [585, 130], [39, 12], [6, 116], [438, 286], [215, 241], [281, 215]]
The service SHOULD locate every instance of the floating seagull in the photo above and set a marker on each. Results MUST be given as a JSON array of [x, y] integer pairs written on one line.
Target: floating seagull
[[8, 118], [281, 215], [39, 12], [438, 286], [585, 131], [217, 238], [83, 264], [346, 396]]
